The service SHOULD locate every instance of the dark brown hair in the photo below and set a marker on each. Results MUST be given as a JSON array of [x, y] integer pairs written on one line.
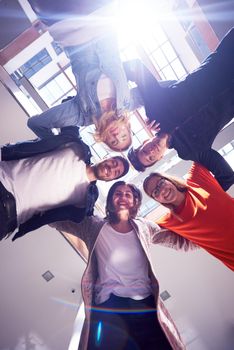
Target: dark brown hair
[[110, 211], [179, 183]]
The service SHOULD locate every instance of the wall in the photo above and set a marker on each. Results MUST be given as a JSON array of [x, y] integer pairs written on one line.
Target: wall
[[12, 119]]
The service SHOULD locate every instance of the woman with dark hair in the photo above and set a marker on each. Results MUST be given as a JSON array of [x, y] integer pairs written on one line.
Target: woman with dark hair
[[199, 210], [119, 287]]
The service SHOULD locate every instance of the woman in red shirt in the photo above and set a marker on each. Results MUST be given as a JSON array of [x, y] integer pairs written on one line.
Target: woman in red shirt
[[199, 210]]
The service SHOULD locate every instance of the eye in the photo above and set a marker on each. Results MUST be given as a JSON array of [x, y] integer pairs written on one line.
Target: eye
[[114, 143], [155, 193]]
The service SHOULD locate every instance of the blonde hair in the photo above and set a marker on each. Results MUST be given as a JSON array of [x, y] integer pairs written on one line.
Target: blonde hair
[[104, 121]]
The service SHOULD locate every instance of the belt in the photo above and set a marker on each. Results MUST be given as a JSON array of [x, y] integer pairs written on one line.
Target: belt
[[8, 208]]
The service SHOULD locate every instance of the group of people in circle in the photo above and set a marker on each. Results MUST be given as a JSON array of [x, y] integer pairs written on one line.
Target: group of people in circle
[[51, 180]]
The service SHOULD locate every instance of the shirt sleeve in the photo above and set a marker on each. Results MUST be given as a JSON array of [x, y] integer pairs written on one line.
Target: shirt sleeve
[[170, 239], [81, 230], [198, 174]]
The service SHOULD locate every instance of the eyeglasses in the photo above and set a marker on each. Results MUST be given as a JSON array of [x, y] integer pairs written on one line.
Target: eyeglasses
[[157, 189]]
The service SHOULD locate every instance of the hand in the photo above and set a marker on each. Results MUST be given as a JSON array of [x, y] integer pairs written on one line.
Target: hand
[[152, 126]]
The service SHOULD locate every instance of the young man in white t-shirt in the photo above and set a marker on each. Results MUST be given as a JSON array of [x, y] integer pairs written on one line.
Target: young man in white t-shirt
[[49, 180]]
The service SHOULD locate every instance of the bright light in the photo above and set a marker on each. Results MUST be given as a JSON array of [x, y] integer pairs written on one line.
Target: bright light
[[135, 19]]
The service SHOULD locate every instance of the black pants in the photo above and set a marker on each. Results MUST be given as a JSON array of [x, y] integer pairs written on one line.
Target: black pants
[[8, 221], [126, 324]]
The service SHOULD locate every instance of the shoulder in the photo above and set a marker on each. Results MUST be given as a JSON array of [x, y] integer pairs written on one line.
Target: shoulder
[[146, 226]]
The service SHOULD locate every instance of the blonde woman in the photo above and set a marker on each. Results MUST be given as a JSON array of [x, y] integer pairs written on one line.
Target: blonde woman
[[103, 97]]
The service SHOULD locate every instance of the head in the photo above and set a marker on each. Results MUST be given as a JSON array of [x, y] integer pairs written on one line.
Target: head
[[114, 131], [148, 153], [111, 168], [122, 196], [164, 189]]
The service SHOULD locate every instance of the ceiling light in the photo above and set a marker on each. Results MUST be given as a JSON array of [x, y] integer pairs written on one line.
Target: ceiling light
[[48, 276]]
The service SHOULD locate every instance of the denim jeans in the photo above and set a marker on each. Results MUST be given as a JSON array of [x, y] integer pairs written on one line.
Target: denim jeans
[[88, 61], [126, 324]]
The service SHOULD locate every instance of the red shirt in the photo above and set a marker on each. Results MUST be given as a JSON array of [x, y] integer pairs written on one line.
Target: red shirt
[[207, 217]]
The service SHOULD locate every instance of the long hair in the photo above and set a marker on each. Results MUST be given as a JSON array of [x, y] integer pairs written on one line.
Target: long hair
[[110, 211], [179, 183], [104, 121]]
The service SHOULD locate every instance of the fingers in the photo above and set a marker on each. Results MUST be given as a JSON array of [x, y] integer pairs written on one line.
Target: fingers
[[153, 126]]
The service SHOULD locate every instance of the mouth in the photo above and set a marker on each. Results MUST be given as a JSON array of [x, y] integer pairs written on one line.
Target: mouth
[[107, 170], [167, 194], [123, 203]]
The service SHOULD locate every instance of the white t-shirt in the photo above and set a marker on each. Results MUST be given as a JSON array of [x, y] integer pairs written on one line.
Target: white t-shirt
[[46, 181], [105, 88], [122, 266]]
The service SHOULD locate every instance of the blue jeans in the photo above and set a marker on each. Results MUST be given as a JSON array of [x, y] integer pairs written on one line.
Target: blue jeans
[[137, 328], [88, 62]]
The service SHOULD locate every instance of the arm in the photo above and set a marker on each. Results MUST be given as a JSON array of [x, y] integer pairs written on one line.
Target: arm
[[152, 93], [214, 162], [35, 147], [136, 100], [84, 230], [69, 212], [170, 239]]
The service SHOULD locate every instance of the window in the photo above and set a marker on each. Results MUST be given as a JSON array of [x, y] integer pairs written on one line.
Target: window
[[55, 90], [36, 63], [57, 48], [163, 55]]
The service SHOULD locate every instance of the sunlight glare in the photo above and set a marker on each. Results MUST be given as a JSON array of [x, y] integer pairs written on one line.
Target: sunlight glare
[[133, 21]]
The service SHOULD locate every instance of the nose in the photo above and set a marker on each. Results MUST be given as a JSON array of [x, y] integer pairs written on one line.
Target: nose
[[122, 196], [114, 133]]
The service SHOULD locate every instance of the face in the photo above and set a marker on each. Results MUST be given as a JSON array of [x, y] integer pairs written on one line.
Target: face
[[109, 169], [152, 151], [118, 135], [162, 190], [123, 198]]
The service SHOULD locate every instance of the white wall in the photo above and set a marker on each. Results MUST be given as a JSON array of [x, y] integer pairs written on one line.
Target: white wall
[[13, 119]]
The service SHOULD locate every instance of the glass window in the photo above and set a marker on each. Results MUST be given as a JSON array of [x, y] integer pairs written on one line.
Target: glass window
[[57, 89], [36, 63], [168, 73], [178, 68], [168, 51], [68, 72], [57, 48], [159, 58]]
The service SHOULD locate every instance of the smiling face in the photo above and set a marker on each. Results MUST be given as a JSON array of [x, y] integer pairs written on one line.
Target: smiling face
[[162, 190], [152, 150], [109, 169], [118, 135], [123, 198]]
